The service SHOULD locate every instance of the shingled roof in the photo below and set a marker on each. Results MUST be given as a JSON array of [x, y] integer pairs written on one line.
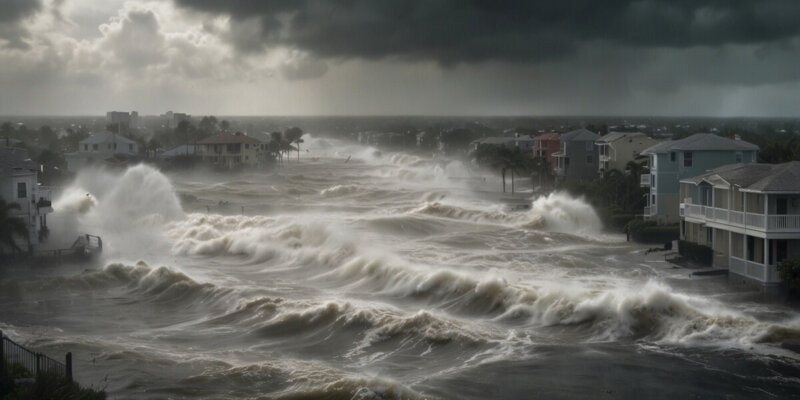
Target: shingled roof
[[14, 158], [580, 135], [227, 138], [701, 142], [755, 177]]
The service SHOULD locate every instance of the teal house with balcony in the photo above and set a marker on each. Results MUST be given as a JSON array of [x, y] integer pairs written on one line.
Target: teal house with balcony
[[679, 159]]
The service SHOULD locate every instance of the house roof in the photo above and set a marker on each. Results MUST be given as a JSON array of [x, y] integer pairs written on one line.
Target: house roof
[[614, 136], [701, 142], [12, 158], [548, 136], [228, 138], [106, 137], [579, 135], [754, 177]]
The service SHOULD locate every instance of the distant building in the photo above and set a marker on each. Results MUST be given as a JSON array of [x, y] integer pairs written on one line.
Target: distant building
[[19, 184], [524, 143], [748, 213], [182, 150], [545, 146], [577, 158], [617, 149], [172, 119], [126, 120], [678, 159], [231, 150], [100, 147]]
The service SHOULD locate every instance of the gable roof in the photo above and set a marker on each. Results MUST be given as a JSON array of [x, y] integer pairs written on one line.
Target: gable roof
[[229, 138], [754, 177], [614, 136], [701, 142], [580, 135], [106, 137], [12, 158]]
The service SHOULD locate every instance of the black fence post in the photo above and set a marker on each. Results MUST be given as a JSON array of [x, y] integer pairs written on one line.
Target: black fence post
[[68, 367], [38, 364]]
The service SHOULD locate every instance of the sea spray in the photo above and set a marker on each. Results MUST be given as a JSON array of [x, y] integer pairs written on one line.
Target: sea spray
[[125, 207], [564, 213]]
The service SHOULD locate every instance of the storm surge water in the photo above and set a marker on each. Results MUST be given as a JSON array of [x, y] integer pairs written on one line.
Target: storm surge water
[[361, 274]]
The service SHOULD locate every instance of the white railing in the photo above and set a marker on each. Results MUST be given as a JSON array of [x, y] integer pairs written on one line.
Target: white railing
[[649, 210], [754, 220], [760, 272], [761, 222], [783, 222], [645, 180]]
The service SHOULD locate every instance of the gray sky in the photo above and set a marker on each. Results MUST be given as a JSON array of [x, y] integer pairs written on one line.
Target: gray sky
[[388, 57]]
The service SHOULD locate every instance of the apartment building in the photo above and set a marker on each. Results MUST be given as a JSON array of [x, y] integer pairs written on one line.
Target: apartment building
[[672, 161]]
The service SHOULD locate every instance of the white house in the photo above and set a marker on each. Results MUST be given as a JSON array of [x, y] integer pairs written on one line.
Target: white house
[[100, 147], [748, 213], [19, 184]]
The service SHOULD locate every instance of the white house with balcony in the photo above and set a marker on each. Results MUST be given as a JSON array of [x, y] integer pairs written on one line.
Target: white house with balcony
[[19, 184], [749, 214], [100, 147]]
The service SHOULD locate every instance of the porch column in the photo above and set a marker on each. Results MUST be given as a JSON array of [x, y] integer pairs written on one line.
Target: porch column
[[744, 213], [730, 248]]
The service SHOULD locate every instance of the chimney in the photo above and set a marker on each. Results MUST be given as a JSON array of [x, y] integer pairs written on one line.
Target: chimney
[[737, 137]]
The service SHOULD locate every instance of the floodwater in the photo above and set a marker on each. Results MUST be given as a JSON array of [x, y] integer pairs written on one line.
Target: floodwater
[[386, 277]]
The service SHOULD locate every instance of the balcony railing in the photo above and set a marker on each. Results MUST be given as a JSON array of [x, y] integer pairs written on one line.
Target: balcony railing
[[649, 210], [645, 180], [761, 222], [760, 272]]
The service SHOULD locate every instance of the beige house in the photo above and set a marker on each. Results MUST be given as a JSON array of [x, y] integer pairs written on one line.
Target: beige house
[[749, 214], [231, 150], [617, 149]]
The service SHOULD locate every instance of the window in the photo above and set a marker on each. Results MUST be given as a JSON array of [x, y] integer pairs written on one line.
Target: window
[[672, 156], [738, 156], [709, 235], [589, 146], [86, 147], [687, 158], [22, 190], [589, 159], [94, 147], [246, 145], [653, 200]]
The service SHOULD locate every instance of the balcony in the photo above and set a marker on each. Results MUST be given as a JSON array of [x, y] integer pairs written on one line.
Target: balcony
[[645, 180], [760, 272], [744, 220]]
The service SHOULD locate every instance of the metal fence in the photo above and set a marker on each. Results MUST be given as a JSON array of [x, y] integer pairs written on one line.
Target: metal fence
[[12, 353]]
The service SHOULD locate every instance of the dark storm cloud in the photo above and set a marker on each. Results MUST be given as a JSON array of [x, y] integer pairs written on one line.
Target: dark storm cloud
[[454, 31], [12, 15]]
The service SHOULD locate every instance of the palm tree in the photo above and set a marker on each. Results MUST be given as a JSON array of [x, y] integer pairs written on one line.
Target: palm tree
[[10, 226]]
